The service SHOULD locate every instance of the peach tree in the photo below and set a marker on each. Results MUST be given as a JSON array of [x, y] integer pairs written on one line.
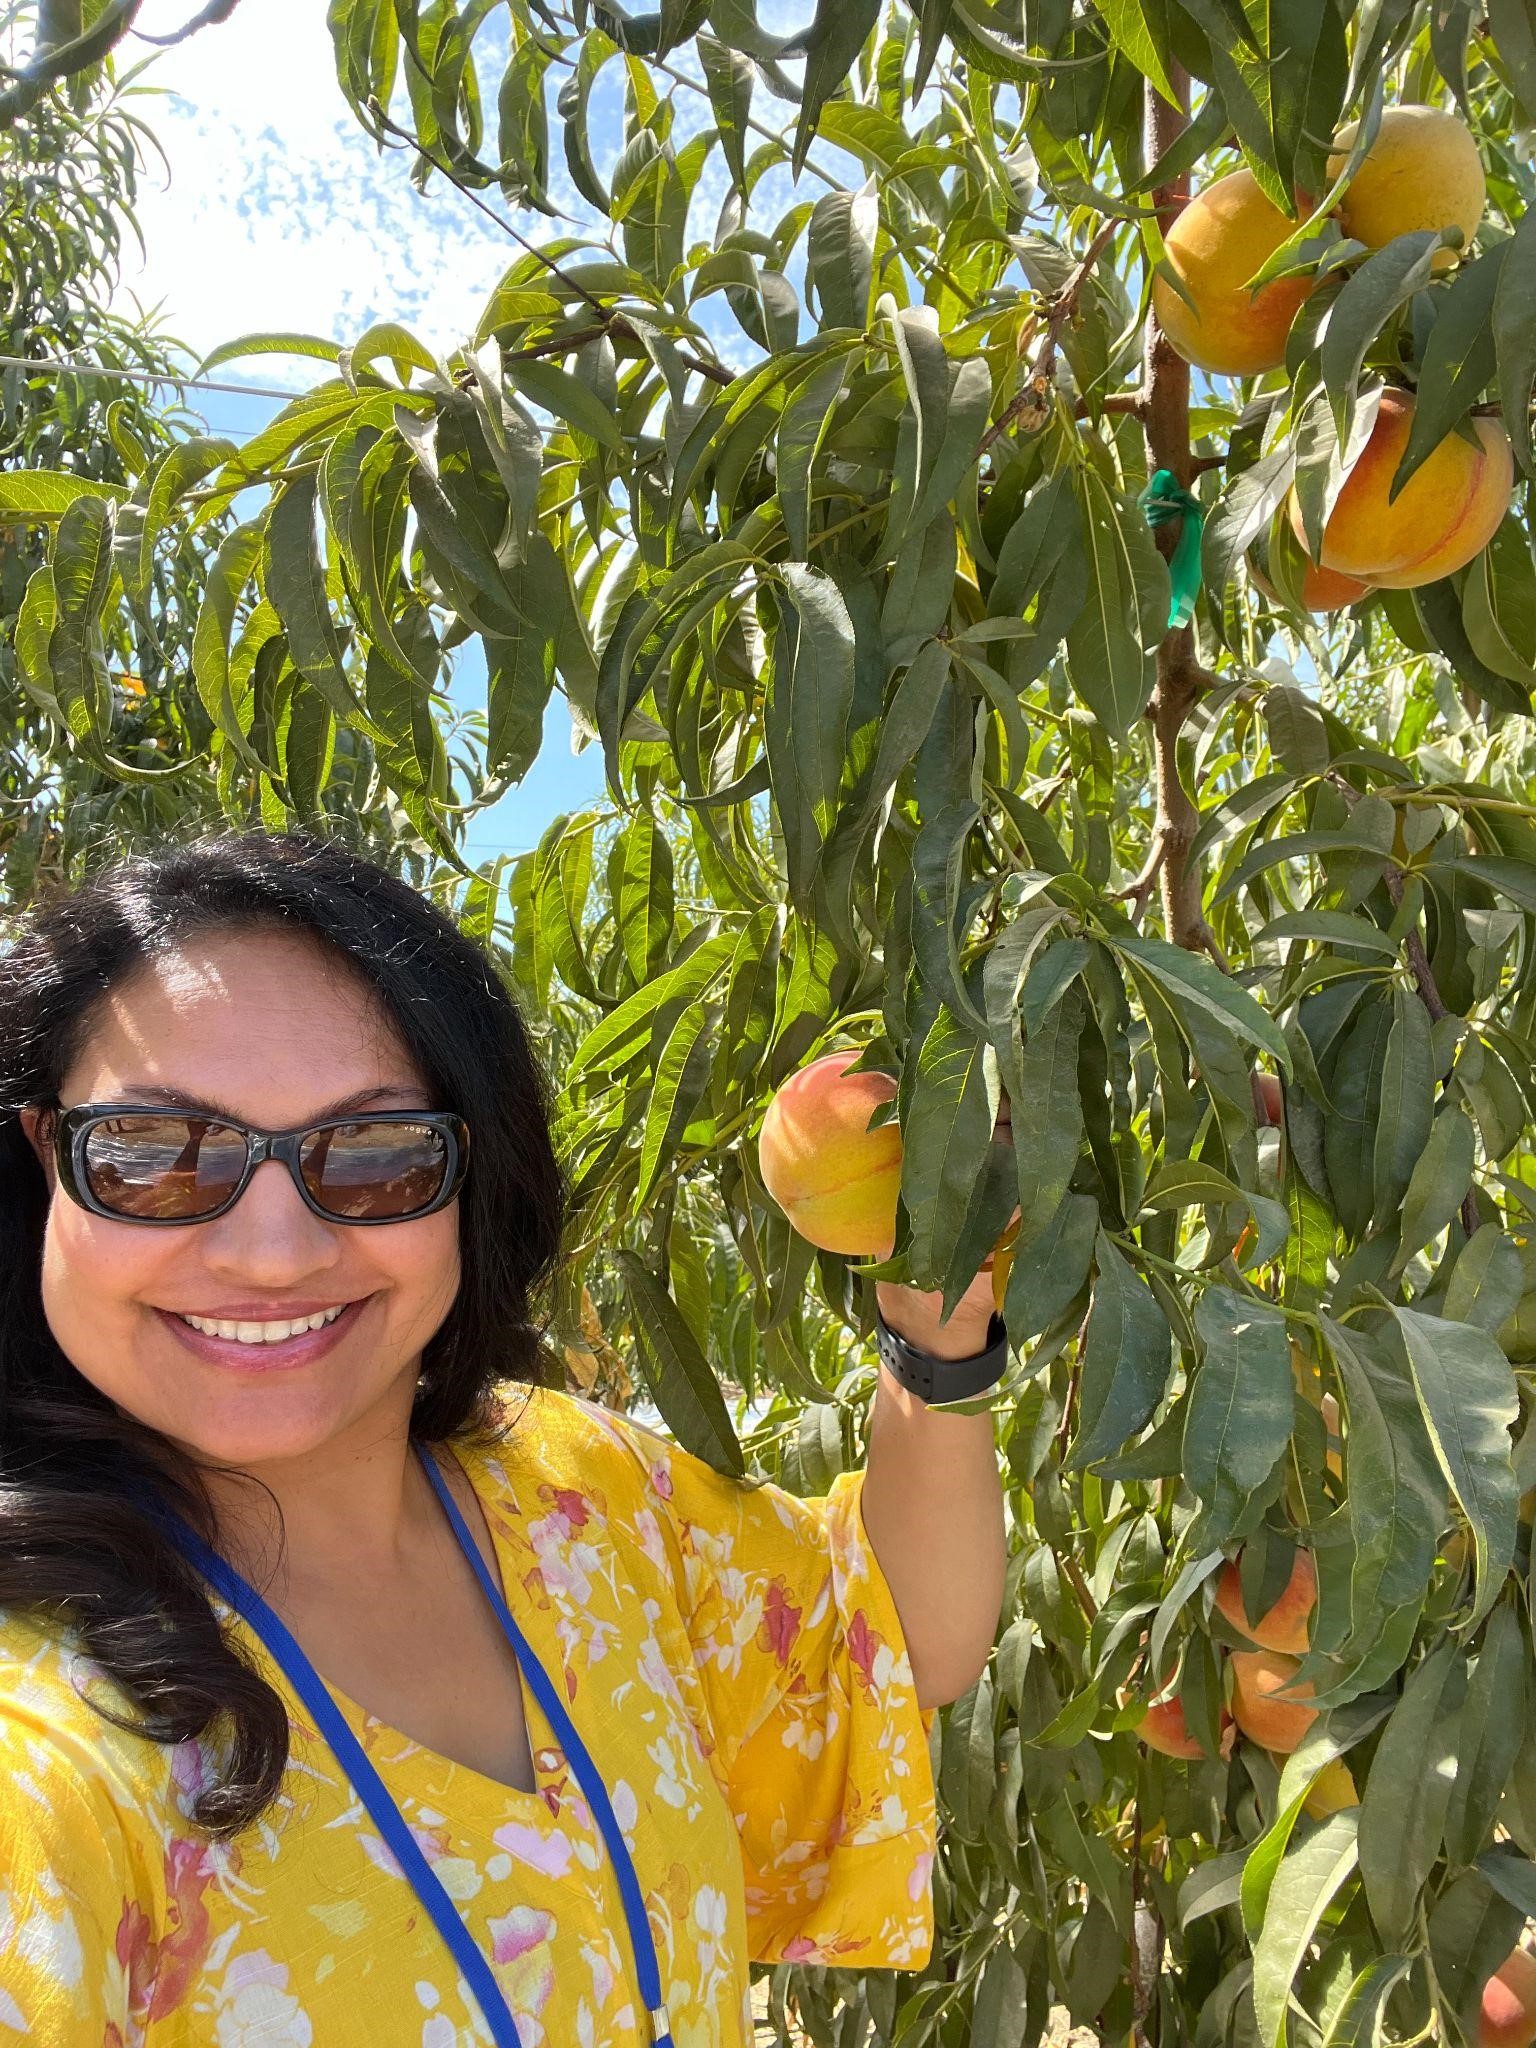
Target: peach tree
[[1031, 503]]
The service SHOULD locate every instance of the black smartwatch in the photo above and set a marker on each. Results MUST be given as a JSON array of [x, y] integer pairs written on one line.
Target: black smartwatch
[[943, 1379]]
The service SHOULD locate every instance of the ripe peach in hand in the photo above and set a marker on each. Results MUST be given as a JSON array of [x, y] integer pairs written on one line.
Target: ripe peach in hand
[[836, 1180], [1274, 1724], [1508, 2016], [1422, 171], [1219, 240], [1287, 1627], [1447, 512]]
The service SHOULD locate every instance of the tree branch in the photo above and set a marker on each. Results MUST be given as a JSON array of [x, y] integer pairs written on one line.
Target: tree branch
[[1180, 678], [1037, 385], [215, 12]]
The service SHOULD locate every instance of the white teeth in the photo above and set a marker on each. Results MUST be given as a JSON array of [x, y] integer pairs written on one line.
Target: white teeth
[[264, 1333]]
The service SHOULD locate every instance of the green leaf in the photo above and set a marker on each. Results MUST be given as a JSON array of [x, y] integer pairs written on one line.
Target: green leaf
[[1458, 361], [294, 583], [1357, 2022], [42, 495], [946, 1130], [1187, 978], [1515, 35], [1492, 1729], [1466, 1391], [682, 1074], [1439, 1181], [1126, 1359], [1041, 1075], [729, 76], [1486, 1281], [1385, 281], [1405, 1106], [1305, 1886], [1403, 1809], [840, 254], [805, 719], [1396, 1494], [1112, 644], [1514, 335], [837, 34], [1237, 1420], [270, 345], [685, 1391]]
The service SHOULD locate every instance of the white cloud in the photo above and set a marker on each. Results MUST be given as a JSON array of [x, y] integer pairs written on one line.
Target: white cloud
[[278, 212]]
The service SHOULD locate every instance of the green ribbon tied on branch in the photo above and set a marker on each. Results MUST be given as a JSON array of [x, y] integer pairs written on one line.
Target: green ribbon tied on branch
[[1164, 499]]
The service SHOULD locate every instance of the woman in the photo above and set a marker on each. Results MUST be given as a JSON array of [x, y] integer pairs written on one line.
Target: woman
[[349, 1693]]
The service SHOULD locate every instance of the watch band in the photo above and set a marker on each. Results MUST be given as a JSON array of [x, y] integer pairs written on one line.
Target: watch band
[[943, 1379]]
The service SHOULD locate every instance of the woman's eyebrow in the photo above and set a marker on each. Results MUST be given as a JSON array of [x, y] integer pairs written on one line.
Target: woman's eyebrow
[[177, 1098]]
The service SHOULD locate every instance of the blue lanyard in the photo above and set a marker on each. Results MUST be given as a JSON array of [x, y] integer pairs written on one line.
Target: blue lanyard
[[386, 1816]]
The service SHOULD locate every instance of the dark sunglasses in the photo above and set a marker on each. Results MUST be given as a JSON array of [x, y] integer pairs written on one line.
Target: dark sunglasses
[[145, 1165]]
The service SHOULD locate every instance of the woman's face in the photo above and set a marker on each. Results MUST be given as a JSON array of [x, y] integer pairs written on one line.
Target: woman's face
[[270, 1028]]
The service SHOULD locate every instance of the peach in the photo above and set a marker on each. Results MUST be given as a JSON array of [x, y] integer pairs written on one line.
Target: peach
[[1219, 240], [1163, 1728], [1287, 1627], [1274, 1724], [1508, 2017], [835, 1179], [1446, 513], [1333, 1789], [1322, 590], [1422, 171]]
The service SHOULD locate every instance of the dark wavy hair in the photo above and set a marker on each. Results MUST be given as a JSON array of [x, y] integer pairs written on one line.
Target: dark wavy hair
[[78, 1546]]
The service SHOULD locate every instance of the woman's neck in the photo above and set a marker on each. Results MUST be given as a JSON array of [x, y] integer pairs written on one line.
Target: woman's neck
[[353, 1510]]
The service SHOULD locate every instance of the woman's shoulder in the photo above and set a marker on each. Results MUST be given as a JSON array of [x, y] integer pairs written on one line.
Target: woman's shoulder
[[562, 1441], [54, 1741]]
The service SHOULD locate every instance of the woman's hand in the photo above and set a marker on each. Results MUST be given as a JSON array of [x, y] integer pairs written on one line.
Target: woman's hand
[[914, 1312]]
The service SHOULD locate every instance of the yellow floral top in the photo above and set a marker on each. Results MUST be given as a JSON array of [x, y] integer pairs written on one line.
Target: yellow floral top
[[733, 1659]]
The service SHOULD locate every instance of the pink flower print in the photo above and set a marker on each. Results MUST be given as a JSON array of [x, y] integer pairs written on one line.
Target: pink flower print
[[521, 1949], [661, 1480], [161, 1973], [800, 1948], [864, 1645], [917, 1877], [549, 1853], [572, 1506], [780, 1623]]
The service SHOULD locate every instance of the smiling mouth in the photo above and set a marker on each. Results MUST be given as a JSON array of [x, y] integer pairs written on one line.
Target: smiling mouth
[[277, 1331]]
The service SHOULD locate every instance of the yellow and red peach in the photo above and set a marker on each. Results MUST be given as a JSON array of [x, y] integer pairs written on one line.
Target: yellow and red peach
[[1273, 1723], [835, 1179], [1219, 240], [1332, 1790], [1287, 1626], [1422, 171], [1508, 2016], [1447, 512]]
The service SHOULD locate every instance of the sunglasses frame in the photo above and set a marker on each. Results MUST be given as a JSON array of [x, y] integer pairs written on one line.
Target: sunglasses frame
[[75, 1124]]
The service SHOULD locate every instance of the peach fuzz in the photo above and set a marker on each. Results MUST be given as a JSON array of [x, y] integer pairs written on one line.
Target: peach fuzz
[[1219, 240], [1508, 2016], [1274, 1724], [1446, 513], [1422, 171], [1287, 1627], [835, 1179]]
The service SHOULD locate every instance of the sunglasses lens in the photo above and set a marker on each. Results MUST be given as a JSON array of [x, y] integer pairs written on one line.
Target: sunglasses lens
[[373, 1171], [162, 1165], [183, 1167]]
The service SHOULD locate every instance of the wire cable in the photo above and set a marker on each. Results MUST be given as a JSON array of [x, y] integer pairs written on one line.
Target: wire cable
[[150, 377]]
